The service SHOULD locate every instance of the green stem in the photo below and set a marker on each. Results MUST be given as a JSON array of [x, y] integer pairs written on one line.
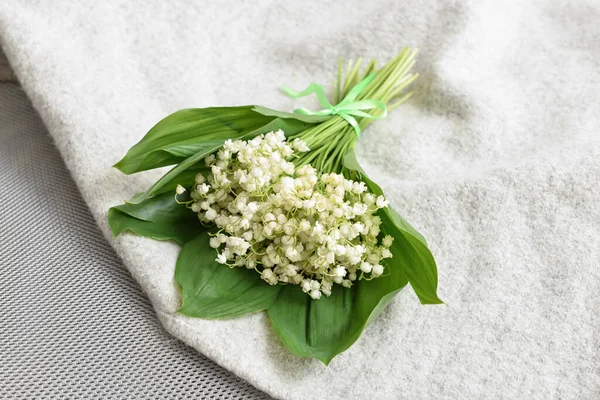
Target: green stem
[[330, 140]]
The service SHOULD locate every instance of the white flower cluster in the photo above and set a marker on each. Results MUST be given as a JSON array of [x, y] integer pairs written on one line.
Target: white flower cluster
[[287, 223]]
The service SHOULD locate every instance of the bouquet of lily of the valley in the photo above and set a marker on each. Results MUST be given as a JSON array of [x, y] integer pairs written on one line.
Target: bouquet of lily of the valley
[[273, 212]]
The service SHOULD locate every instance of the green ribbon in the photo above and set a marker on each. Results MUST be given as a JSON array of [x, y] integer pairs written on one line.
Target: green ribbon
[[348, 108]]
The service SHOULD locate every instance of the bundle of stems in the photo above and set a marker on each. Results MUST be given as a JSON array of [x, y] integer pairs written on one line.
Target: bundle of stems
[[329, 141]]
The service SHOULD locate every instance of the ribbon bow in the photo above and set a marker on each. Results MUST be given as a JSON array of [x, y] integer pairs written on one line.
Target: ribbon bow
[[348, 108]]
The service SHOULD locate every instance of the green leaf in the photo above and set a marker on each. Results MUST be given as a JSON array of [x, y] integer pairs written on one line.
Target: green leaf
[[326, 327], [186, 132], [185, 178], [351, 163], [168, 178], [289, 126], [159, 217], [314, 328], [312, 119], [409, 249], [214, 291], [415, 260]]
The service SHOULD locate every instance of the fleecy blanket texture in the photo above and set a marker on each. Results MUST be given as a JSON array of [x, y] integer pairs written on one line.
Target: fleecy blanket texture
[[496, 161]]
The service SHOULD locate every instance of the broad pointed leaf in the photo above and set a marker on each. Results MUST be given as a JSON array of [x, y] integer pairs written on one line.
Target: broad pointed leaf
[[214, 291], [415, 260], [169, 177], [312, 119], [326, 327], [184, 178], [185, 132], [351, 163], [409, 249], [159, 218]]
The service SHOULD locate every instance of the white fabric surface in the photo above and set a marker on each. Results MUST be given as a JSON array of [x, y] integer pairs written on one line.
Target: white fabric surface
[[496, 161]]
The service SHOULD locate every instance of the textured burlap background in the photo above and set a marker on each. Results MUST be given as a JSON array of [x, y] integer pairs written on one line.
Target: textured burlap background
[[496, 161]]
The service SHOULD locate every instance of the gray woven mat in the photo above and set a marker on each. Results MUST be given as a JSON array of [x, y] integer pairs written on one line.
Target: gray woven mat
[[73, 323]]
